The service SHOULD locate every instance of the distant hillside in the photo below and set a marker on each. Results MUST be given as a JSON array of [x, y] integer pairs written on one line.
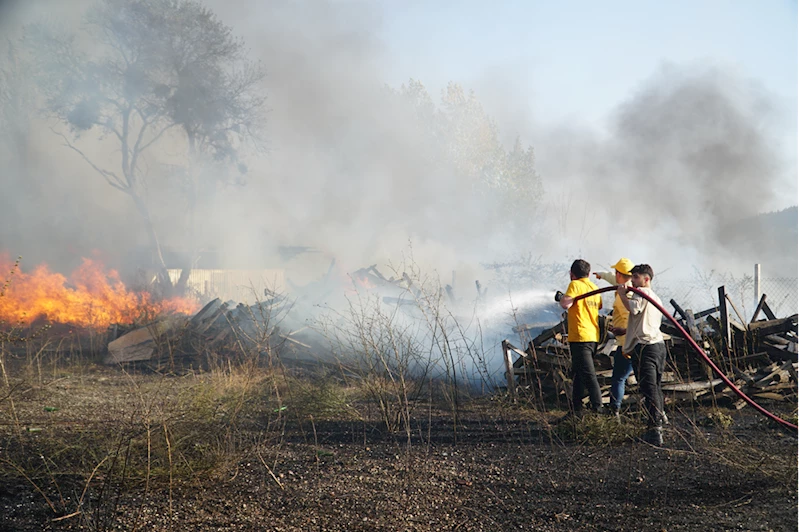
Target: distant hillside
[[768, 238]]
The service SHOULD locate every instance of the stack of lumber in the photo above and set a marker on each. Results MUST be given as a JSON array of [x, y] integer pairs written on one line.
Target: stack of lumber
[[219, 327]]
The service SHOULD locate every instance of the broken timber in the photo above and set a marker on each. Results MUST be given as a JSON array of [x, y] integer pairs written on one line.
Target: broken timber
[[759, 356]]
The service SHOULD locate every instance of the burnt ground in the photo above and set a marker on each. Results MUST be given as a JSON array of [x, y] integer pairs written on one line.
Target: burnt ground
[[500, 467]]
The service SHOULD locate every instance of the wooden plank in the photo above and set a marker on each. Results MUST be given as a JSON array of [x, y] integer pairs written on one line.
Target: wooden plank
[[693, 386], [548, 334], [141, 344], [205, 312], [771, 396], [217, 318], [765, 328], [684, 314], [778, 386], [767, 311], [707, 312], [735, 309], [690, 322], [777, 340], [778, 352], [758, 308], [775, 376], [724, 321]]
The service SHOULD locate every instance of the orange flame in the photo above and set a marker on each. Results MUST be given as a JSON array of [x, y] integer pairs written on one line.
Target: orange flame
[[92, 298]]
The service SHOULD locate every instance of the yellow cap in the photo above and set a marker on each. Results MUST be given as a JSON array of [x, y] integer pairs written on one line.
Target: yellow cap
[[624, 266]]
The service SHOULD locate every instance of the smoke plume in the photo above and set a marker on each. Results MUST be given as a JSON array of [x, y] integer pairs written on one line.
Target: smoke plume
[[346, 171]]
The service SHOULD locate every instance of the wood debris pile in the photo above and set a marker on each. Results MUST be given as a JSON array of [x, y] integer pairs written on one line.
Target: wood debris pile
[[217, 329], [758, 355]]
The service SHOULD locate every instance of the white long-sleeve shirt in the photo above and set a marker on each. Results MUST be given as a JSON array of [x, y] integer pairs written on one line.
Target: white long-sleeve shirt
[[643, 325]]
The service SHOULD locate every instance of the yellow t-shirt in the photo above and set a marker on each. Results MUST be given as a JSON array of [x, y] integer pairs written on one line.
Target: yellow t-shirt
[[583, 316], [620, 315]]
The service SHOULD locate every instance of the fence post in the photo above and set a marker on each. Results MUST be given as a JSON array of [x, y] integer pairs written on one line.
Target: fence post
[[757, 285], [509, 373]]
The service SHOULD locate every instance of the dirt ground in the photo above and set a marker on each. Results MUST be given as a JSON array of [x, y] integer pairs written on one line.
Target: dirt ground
[[499, 467]]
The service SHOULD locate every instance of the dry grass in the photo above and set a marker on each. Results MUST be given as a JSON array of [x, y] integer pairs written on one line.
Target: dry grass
[[84, 437]]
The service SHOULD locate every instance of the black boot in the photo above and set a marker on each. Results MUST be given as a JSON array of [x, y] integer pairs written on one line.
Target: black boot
[[654, 436]]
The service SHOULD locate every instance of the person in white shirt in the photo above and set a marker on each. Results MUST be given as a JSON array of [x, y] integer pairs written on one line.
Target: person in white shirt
[[644, 342]]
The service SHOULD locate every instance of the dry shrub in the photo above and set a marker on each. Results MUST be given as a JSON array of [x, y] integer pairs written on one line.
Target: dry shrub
[[716, 418], [322, 398], [597, 430]]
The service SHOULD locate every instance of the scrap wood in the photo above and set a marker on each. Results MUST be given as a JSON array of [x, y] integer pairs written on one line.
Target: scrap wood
[[769, 327], [762, 306], [771, 396], [549, 334], [692, 386], [294, 341]]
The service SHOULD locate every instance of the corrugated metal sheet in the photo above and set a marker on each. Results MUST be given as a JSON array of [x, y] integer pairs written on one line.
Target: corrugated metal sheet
[[244, 286]]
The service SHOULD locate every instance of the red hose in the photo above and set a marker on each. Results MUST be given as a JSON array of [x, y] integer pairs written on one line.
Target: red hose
[[701, 352]]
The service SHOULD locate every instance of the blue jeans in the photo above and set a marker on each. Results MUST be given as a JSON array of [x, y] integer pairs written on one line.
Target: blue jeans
[[622, 368]]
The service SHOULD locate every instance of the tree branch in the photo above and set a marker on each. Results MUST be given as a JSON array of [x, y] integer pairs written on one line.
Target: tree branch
[[109, 176], [156, 137]]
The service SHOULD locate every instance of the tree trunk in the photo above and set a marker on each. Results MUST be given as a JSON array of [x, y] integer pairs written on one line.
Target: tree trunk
[[165, 283], [191, 256]]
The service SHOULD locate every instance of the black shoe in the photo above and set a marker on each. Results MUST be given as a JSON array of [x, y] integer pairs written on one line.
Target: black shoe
[[614, 412], [654, 436], [601, 410]]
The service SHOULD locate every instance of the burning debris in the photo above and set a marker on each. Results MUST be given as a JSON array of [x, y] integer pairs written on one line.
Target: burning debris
[[92, 297]]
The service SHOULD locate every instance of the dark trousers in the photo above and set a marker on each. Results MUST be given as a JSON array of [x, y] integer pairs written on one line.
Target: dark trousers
[[584, 375], [648, 363]]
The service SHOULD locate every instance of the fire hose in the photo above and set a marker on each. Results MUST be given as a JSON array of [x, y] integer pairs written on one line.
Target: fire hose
[[701, 353]]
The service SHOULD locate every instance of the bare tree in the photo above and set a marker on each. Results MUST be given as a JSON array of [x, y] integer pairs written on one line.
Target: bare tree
[[142, 71]]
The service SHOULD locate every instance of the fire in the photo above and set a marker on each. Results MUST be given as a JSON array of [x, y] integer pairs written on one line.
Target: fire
[[92, 297]]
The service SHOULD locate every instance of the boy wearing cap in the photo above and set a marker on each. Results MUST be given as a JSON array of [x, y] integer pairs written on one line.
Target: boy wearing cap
[[644, 342], [583, 324], [622, 367]]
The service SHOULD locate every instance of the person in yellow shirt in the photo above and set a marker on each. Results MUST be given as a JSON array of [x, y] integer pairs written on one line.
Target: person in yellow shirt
[[583, 329], [622, 366]]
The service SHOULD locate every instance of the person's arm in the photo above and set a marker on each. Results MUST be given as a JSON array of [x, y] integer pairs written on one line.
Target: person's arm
[[634, 304], [622, 292], [608, 277], [568, 298]]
